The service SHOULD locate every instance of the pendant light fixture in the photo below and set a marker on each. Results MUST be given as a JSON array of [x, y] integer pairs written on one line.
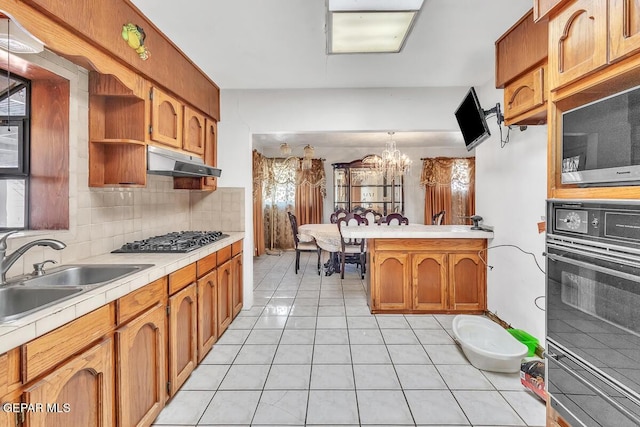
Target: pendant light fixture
[[392, 164]]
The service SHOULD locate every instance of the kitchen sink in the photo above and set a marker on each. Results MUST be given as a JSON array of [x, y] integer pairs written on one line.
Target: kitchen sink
[[18, 301], [84, 275], [26, 294]]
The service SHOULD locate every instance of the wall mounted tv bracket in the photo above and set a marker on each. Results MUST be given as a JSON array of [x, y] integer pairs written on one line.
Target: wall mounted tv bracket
[[495, 110]]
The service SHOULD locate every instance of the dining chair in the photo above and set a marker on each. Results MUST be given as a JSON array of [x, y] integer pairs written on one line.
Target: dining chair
[[395, 219], [358, 210], [372, 216], [302, 246], [352, 249], [339, 213], [438, 218]]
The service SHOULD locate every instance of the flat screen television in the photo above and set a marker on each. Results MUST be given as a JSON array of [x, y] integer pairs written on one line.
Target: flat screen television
[[472, 121]]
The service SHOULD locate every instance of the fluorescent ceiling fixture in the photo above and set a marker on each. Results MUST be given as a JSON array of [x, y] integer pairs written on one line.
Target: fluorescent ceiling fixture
[[370, 26], [16, 40]]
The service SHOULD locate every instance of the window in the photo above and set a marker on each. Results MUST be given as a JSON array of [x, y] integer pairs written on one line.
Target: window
[[14, 151]]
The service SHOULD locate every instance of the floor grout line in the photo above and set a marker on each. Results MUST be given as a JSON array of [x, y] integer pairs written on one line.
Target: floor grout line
[[285, 289]]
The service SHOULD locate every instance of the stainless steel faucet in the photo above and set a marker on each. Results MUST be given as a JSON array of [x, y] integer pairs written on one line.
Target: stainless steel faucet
[[7, 261]]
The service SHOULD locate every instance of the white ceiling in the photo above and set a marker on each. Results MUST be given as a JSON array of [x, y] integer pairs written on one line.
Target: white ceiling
[[281, 44]]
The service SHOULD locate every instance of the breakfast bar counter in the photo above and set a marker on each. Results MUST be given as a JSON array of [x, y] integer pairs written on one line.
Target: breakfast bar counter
[[425, 268]]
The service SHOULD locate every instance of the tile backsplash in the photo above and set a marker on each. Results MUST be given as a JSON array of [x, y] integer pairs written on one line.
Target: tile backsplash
[[102, 219]]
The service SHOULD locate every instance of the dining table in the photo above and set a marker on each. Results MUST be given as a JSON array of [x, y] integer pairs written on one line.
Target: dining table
[[327, 237]]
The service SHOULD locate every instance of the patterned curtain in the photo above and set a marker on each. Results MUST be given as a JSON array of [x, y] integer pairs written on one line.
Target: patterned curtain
[[279, 198], [258, 216], [450, 186], [310, 191]]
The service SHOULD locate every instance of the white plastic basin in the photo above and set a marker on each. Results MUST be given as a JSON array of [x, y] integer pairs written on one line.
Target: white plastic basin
[[487, 345]]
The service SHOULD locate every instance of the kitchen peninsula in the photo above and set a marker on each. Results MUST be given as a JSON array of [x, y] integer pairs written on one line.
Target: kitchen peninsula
[[425, 268]]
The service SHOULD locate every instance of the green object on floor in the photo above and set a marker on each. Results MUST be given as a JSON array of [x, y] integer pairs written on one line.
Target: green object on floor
[[525, 338]]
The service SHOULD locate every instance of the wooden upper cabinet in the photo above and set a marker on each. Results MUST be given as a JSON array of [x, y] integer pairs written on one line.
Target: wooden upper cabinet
[[194, 131], [141, 374], [577, 41], [520, 48], [166, 119], [210, 158], [85, 384], [525, 98], [624, 28], [521, 58], [211, 151], [542, 8], [183, 319], [88, 33]]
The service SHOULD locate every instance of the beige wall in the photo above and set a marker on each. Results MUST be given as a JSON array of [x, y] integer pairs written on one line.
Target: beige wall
[[101, 220]]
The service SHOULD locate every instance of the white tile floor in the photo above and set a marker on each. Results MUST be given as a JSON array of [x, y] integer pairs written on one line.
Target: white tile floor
[[309, 353]]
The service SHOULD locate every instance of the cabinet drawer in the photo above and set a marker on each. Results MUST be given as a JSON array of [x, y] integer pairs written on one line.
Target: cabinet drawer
[[206, 264], [442, 245], [236, 248], [129, 306], [525, 94], [49, 350], [9, 371], [4, 374], [181, 278], [224, 255]]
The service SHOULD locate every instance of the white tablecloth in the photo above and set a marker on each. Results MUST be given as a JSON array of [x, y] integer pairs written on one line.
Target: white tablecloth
[[327, 235]]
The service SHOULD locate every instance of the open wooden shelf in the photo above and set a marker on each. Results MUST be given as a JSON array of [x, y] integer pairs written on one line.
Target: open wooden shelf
[[118, 151]]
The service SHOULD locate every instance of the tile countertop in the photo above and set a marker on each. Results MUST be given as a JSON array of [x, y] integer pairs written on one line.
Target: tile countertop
[[20, 331], [415, 231]]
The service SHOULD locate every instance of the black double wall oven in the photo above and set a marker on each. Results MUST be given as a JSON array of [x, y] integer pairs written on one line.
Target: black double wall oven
[[593, 312]]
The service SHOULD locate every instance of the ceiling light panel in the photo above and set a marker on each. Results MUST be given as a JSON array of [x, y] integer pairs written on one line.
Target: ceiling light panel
[[370, 26], [373, 5], [369, 32]]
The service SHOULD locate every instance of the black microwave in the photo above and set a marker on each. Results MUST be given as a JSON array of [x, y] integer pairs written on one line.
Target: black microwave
[[601, 141]]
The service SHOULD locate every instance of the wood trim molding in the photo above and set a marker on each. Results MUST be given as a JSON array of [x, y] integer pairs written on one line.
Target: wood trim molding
[[88, 33]]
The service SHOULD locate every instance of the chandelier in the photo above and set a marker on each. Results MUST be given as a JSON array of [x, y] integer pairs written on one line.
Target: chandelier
[[392, 164], [304, 163]]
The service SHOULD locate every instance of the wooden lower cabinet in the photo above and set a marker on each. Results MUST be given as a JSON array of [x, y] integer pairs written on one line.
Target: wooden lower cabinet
[[183, 353], [225, 292], [141, 368], [207, 312], [78, 393], [429, 281], [119, 364], [413, 279], [467, 282], [390, 289], [236, 278], [10, 418]]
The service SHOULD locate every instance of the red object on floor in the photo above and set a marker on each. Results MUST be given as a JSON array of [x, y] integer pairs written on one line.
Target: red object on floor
[[532, 377]]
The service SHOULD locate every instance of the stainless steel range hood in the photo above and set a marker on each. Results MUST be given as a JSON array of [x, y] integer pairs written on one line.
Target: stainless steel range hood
[[171, 163]]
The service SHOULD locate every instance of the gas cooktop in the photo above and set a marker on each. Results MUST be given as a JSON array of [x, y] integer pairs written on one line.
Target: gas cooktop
[[176, 242]]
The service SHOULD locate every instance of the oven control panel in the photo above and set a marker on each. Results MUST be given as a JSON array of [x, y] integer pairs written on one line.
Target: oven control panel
[[611, 222], [572, 220]]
